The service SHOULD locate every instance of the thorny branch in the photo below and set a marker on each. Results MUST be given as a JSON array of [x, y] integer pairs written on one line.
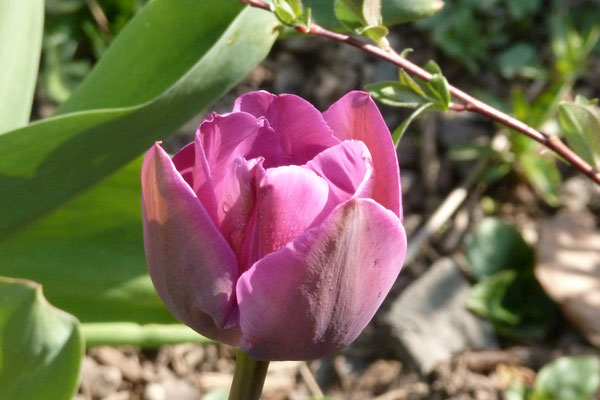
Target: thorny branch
[[470, 103]]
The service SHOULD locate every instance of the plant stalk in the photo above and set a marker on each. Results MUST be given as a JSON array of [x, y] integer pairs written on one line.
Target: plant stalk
[[470, 103], [248, 378]]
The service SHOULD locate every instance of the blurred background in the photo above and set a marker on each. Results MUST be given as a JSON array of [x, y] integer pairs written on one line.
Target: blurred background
[[500, 296]]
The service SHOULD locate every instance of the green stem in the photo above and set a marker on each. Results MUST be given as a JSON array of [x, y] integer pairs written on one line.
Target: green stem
[[249, 377]]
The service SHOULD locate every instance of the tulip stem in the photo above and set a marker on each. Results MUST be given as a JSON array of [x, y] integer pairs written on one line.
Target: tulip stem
[[249, 377]]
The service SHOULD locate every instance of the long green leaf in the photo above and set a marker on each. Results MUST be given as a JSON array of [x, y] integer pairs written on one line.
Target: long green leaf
[[89, 255], [21, 27], [47, 163], [40, 347]]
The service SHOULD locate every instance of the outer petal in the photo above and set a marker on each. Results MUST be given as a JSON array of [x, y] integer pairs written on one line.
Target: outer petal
[[348, 170], [193, 269], [315, 295], [355, 116], [290, 199], [300, 127]]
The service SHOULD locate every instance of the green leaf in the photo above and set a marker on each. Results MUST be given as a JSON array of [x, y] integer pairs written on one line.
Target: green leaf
[[407, 81], [21, 28], [440, 90], [89, 255], [400, 11], [288, 11], [376, 33], [41, 347], [432, 67], [371, 11], [396, 94], [400, 130], [515, 303], [568, 378], [393, 11], [582, 125], [496, 246], [350, 13], [305, 19], [181, 67], [132, 334]]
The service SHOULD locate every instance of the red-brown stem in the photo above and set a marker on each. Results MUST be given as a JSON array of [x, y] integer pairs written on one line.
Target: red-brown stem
[[470, 103]]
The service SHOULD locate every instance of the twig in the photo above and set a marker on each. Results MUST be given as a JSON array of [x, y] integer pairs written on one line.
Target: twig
[[310, 381], [441, 215], [470, 103], [99, 16]]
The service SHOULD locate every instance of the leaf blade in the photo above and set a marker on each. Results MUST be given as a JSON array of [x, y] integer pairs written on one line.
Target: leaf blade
[[69, 153], [21, 28], [37, 338]]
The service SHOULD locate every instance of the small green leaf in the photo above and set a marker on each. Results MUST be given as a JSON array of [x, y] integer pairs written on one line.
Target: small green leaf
[[349, 13], [440, 89], [21, 28], [41, 347], [305, 19], [496, 246], [288, 11], [371, 10], [395, 94], [376, 33], [432, 67], [569, 378], [407, 81], [400, 130], [581, 123]]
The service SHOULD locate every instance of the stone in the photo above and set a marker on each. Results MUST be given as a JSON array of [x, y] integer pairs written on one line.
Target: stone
[[568, 268], [100, 381], [429, 323]]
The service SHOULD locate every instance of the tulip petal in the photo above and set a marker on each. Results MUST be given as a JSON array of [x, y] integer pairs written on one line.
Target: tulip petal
[[192, 267], [300, 127], [355, 116], [219, 141], [289, 200], [316, 294], [348, 170], [237, 191], [184, 162]]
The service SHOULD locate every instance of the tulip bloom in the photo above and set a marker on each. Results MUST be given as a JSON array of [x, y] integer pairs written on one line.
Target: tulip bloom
[[279, 229]]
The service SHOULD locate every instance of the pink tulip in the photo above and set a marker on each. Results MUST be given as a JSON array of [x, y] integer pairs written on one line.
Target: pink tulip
[[279, 230]]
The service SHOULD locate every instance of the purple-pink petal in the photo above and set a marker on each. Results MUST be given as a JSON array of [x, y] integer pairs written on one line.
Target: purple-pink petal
[[191, 265], [348, 170], [315, 295], [299, 126], [289, 201], [355, 116]]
